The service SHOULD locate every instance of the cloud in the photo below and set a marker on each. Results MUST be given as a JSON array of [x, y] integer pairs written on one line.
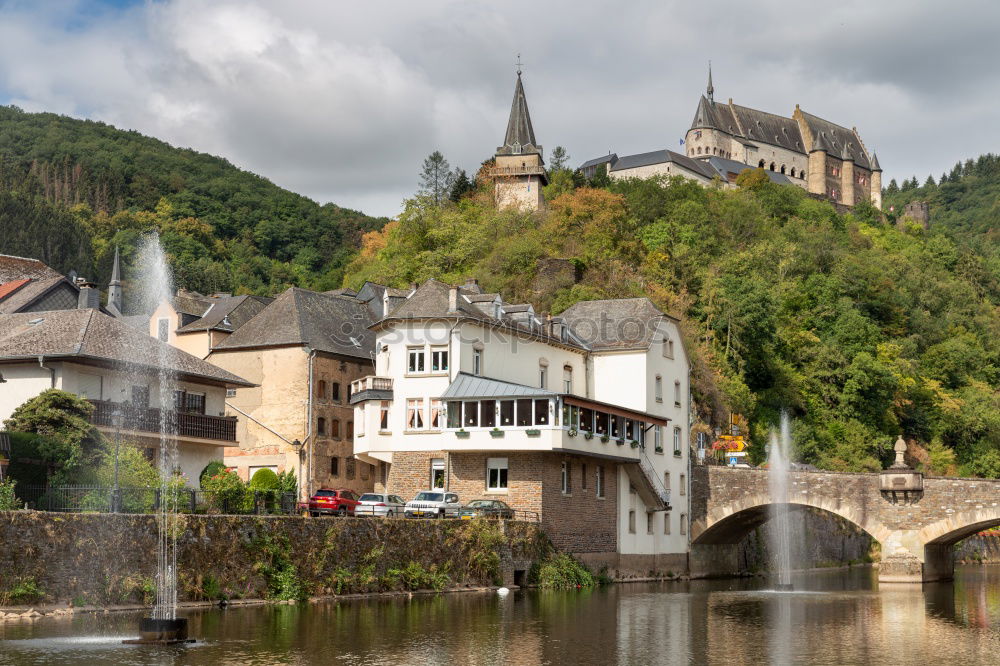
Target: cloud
[[342, 101]]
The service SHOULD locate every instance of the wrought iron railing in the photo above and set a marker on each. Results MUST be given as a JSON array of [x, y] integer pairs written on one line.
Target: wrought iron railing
[[516, 171], [182, 424], [106, 499]]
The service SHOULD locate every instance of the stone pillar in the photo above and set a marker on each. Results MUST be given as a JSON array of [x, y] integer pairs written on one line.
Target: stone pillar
[[847, 183], [939, 562], [876, 192], [817, 172]]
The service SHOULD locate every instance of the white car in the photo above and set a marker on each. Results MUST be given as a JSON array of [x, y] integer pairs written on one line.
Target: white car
[[379, 504], [433, 504]]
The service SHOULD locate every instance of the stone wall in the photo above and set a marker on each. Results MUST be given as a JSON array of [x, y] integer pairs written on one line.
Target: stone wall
[[817, 539], [104, 559], [979, 549]]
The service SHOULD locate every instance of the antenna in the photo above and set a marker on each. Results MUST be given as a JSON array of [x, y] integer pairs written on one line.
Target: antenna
[[519, 64]]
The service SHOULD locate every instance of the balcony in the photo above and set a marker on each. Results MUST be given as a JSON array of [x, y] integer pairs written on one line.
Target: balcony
[[154, 421], [510, 171], [371, 388]]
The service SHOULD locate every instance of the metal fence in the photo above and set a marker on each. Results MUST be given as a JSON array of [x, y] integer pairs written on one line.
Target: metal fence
[[102, 499]]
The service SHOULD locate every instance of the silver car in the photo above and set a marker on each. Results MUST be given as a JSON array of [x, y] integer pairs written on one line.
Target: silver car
[[433, 504], [379, 504]]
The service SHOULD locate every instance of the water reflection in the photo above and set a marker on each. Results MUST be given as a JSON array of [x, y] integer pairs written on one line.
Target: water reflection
[[832, 618]]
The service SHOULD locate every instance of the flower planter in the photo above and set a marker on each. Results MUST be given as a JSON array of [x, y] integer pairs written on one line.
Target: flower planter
[[571, 432], [496, 434], [620, 442], [605, 439], [634, 444], [533, 433], [462, 434], [588, 435]]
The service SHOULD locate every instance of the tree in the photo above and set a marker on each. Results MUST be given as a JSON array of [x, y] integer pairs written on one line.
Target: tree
[[67, 439], [892, 188], [436, 177], [930, 182], [461, 185], [558, 158]]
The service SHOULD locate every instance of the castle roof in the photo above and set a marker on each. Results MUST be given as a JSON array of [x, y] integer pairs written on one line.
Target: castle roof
[[662, 157], [875, 165], [520, 136], [841, 142], [769, 128]]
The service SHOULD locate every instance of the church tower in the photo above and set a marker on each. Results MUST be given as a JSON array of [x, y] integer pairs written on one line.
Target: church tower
[[519, 171], [115, 289]]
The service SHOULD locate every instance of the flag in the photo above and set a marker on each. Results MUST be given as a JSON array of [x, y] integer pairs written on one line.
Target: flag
[[682, 142]]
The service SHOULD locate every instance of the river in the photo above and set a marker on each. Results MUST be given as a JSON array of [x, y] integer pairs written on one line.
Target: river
[[833, 617]]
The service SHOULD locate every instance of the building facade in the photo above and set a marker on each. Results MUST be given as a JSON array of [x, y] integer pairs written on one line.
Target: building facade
[[580, 419]]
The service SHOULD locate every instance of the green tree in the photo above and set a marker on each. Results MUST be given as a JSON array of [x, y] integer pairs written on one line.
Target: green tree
[[461, 185], [67, 439], [558, 159], [435, 178]]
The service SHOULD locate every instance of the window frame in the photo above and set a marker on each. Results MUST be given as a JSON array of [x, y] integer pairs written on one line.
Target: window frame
[[416, 360], [439, 354], [599, 482], [415, 417], [502, 468]]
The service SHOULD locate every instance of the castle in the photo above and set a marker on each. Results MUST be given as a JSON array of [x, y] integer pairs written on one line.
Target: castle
[[519, 169]]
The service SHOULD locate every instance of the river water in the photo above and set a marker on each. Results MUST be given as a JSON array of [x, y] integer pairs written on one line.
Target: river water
[[833, 617]]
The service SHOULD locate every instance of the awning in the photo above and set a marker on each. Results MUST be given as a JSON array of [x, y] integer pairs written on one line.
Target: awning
[[472, 386]]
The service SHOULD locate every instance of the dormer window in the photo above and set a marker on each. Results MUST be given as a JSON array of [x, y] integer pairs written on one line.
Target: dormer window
[[516, 148]]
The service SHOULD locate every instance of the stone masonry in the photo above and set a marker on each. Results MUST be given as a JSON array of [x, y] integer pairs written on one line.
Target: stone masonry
[[916, 534]]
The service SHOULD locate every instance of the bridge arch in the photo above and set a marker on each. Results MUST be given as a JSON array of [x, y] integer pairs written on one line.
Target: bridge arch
[[731, 523], [959, 525]]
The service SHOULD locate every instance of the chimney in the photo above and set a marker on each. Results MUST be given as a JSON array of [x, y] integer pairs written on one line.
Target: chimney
[[90, 296], [453, 299], [472, 285]]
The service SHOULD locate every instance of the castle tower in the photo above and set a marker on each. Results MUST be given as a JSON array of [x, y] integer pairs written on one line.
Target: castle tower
[[817, 164], [847, 182], [519, 171], [711, 89], [876, 182], [115, 289]]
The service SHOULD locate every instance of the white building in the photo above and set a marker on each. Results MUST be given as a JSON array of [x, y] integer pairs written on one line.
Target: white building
[[118, 368], [581, 419]]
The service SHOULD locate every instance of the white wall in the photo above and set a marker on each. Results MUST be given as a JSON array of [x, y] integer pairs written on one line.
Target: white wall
[[24, 381]]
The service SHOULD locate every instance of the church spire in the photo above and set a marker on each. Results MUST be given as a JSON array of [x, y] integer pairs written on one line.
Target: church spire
[[520, 137], [115, 288], [711, 88]]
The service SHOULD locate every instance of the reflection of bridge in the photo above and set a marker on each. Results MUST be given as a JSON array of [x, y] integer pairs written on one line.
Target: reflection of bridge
[[916, 533]]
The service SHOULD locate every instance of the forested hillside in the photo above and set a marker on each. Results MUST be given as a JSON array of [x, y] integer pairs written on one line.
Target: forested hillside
[[225, 229], [861, 329]]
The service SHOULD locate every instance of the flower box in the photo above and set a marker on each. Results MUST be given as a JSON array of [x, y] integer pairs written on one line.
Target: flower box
[[587, 434], [462, 434], [571, 432], [496, 433], [533, 433], [635, 444], [604, 439], [620, 442]]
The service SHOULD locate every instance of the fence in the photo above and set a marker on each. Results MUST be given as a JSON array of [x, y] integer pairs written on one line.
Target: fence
[[101, 499]]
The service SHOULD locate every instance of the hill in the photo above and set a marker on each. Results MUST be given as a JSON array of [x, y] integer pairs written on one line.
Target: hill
[[860, 329], [226, 229]]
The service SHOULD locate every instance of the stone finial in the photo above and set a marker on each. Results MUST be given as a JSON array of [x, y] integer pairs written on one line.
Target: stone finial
[[900, 448]]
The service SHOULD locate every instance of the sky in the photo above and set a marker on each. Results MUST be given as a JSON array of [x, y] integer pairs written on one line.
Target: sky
[[342, 101]]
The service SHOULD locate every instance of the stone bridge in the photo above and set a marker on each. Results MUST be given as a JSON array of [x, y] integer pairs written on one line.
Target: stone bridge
[[916, 533]]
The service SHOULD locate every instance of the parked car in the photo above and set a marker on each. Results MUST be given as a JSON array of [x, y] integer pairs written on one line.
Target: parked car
[[380, 504], [333, 502], [433, 504], [486, 508]]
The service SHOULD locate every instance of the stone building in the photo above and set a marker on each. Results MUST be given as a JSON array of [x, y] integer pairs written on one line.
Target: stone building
[[918, 211], [519, 169]]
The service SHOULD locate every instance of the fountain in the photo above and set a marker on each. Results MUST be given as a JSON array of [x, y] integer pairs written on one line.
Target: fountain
[[163, 627], [779, 446]]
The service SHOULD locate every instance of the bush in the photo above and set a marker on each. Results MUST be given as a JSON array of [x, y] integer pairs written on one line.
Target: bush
[[562, 572], [228, 493], [264, 479], [62, 420], [8, 500], [211, 469]]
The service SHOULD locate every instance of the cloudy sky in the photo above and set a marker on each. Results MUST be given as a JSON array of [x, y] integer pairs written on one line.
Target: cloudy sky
[[341, 101]]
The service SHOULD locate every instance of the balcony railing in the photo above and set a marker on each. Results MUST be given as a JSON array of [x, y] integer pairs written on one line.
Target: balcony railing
[[371, 388], [500, 172], [180, 424]]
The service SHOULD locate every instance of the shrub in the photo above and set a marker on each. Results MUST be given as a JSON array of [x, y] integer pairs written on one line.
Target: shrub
[[25, 591], [8, 500], [264, 479], [211, 469], [227, 493], [562, 571]]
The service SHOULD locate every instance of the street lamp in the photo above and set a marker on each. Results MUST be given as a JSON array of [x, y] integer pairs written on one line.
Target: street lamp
[[299, 450]]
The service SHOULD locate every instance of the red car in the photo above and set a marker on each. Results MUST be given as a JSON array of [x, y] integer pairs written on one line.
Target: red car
[[333, 502]]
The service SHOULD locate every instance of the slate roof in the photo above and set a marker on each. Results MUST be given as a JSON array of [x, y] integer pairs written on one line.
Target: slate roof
[[603, 159], [299, 317], [91, 336], [519, 129], [726, 166], [662, 157], [621, 323], [24, 280], [16, 268], [472, 386], [842, 142], [875, 165], [191, 303], [227, 313], [769, 128]]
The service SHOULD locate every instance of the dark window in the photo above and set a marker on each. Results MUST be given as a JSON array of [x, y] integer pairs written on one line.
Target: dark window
[[586, 419], [336, 392], [541, 412], [506, 412], [321, 426], [488, 413], [602, 423], [583, 476], [524, 412], [335, 428], [321, 390], [350, 430], [471, 417], [454, 414], [335, 466]]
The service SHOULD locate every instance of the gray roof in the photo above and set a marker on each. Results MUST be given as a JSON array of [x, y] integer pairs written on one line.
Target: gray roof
[[299, 317], [603, 159], [17, 268], [191, 303], [41, 279], [89, 335], [769, 128], [621, 323], [519, 129], [841, 142], [875, 165], [472, 386], [662, 157], [725, 166], [228, 313]]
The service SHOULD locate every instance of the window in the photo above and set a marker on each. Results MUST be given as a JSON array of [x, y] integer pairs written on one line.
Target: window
[[649, 522], [599, 481], [583, 476], [230, 393], [616, 428], [470, 414], [191, 403], [350, 430], [565, 477], [543, 376], [677, 394], [683, 488], [366, 470], [350, 465], [630, 430], [415, 414], [335, 428], [666, 523], [334, 466], [567, 379], [91, 386], [336, 392], [600, 423], [477, 361], [454, 415], [488, 413], [542, 412], [668, 347], [506, 412], [163, 329], [524, 412], [437, 472], [321, 389], [683, 523], [437, 414], [496, 474], [321, 426], [658, 439], [677, 441], [631, 522], [658, 389], [666, 480], [439, 360], [383, 415], [415, 359], [140, 397]]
